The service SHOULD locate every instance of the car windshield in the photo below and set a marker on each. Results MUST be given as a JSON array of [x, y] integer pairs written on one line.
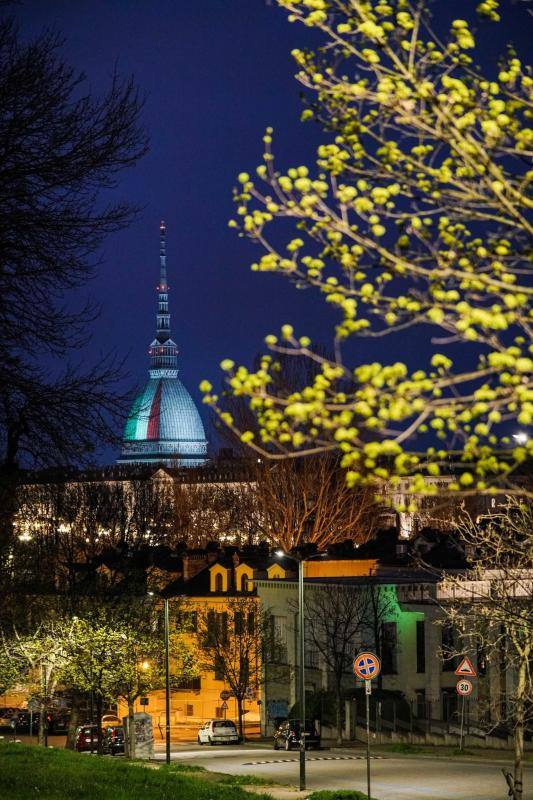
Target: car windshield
[[225, 723]]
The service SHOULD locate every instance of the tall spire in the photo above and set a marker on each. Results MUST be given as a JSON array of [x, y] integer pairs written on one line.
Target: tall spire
[[163, 317], [163, 351]]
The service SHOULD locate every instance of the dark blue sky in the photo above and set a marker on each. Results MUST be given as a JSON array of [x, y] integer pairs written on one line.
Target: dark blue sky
[[215, 74]]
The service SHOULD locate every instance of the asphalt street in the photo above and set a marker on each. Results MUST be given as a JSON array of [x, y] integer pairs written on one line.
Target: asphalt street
[[393, 778]]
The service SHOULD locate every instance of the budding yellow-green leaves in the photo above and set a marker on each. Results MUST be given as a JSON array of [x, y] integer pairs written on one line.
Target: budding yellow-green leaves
[[287, 331], [412, 213]]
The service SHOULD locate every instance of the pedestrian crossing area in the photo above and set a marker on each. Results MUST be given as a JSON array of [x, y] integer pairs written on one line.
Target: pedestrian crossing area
[[308, 758]]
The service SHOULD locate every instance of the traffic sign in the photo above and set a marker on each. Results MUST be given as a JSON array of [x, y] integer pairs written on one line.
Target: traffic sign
[[367, 666], [224, 706], [464, 687], [466, 669], [225, 694]]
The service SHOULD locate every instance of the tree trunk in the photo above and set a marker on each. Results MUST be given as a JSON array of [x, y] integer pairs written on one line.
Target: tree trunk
[[519, 730], [99, 704], [240, 718], [131, 730], [339, 715], [74, 720], [42, 722]]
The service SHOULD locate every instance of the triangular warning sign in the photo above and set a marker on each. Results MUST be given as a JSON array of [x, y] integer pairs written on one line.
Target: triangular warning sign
[[466, 669]]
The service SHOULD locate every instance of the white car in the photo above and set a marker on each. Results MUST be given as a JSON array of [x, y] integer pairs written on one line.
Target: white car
[[218, 731]]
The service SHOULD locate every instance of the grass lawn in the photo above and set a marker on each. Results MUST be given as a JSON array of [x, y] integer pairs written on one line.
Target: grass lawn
[[33, 772]]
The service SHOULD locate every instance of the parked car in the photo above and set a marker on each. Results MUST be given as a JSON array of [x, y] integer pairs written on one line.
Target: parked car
[[114, 739], [7, 713], [23, 720], [287, 735], [58, 722], [218, 731], [110, 719], [86, 737]]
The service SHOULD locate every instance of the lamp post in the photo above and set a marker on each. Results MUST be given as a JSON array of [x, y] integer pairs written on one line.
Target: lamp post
[[167, 683], [301, 654], [167, 676]]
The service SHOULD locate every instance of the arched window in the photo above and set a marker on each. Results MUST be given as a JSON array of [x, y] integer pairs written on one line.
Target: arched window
[[218, 582]]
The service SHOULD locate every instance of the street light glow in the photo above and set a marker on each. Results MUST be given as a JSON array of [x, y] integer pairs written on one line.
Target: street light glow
[[521, 437]]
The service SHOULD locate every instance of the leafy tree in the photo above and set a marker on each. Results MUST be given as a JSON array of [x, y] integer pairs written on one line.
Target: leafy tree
[[490, 608], [116, 653], [36, 659], [94, 649], [415, 219]]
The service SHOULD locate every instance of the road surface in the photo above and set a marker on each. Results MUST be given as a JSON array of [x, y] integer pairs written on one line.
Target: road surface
[[393, 777]]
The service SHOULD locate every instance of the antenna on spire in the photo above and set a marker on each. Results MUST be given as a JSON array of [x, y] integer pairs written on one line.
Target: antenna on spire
[[162, 257]]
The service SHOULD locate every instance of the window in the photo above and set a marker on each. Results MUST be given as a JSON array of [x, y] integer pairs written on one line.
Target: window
[[189, 684], [244, 671], [239, 623], [219, 668], [448, 648], [481, 660], [251, 622], [219, 712], [311, 658], [245, 584], [420, 645], [421, 704], [219, 585], [449, 705], [278, 640], [188, 621], [189, 710], [217, 628], [388, 648]]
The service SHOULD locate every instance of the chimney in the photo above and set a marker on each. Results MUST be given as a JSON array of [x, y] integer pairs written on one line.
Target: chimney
[[193, 563]]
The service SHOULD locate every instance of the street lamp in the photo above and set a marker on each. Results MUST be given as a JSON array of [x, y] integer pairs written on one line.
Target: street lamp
[[167, 676], [301, 650]]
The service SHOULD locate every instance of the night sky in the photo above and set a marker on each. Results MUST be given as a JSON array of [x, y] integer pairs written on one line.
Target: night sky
[[215, 73]]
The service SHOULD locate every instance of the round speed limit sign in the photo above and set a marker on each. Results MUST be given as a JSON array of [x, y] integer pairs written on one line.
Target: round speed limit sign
[[464, 687]]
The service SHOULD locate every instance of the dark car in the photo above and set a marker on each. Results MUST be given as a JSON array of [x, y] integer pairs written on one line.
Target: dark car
[[7, 714], [86, 738], [58, 722], [23, 721], [114, 739], [288, 735]]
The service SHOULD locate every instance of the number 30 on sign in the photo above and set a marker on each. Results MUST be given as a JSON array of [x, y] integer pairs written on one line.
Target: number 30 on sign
[[464, 687]]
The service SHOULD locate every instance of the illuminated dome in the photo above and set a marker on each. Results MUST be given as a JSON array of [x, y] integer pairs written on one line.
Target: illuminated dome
[[164, 426]]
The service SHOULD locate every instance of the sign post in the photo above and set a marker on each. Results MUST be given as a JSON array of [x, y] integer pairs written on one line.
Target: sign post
[[464, 689], [224, 696], [367, 666]]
